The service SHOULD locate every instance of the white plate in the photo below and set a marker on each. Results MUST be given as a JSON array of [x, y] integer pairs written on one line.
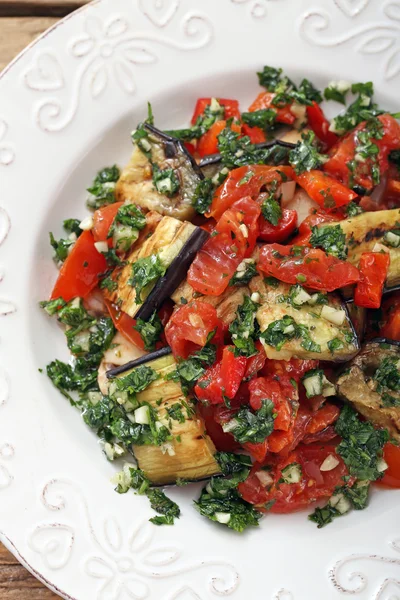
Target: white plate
[[67, 105]]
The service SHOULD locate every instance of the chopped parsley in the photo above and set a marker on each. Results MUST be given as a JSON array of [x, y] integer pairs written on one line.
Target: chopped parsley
[[270, 207], [353, 209], [305, 156], [203, 196], [245, 275], [190, 370], [361, 446], [238, 151], [286, 329], [344, 499], [330, 238], [220, 500], [337, 90], [102, 190], [362, 109], [166, 181], [145, 271], [274, 81], [244, 329], [265, 118], [150, 331], [63, 247], [387, 375], [252, 426], [129, 215], [135, 479], [212, 113]]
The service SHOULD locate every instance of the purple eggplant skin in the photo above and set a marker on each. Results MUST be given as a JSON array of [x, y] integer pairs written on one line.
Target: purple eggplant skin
[[139, 361], [174, 276], [213, 159], [173, 147]]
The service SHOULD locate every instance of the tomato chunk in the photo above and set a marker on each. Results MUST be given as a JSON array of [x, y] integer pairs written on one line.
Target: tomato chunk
[[361, 173], [320, 125], [125, 325], [81, 271], [208, 143], [246, 181], [256, 134], [314, 484], [189, 327], [373, 269], [231, 108], [391, 454], [222, 379], [308, 266], [215, 265], [265, 99], [103, 218], [326, 191], [278, 233]]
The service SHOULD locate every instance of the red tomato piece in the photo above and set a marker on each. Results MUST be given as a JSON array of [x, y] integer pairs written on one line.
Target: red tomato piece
[[257, 451], [267, 388], [391, 317], [264, 100], [344, 152], [391, 454], [256, 363], [329, 193], [256, 134], [208, 143], [81, 271], [294, 368], [222, 379], [215, 265], [125, 325], [373, 269], [320, 125], [103, 218], [328, 414], [243, 212], [309, 266], [314, 484], [190, 326], [305, 229], [231, 108], [278, 233], [246, 181], [224, 442]]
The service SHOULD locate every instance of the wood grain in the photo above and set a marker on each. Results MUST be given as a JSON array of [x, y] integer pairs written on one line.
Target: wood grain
[[40, 8], [18, 32], [16, 583]]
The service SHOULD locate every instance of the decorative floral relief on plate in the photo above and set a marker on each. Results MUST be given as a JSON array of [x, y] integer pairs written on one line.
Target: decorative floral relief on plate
[[109, 52], [7, 155], [378, 37], [124, 561]]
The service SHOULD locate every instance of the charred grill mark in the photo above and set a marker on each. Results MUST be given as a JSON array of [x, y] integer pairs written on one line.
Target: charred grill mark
[[375, 234]]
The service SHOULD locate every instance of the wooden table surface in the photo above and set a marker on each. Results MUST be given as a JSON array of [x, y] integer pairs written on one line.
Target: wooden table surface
[[21, 21]]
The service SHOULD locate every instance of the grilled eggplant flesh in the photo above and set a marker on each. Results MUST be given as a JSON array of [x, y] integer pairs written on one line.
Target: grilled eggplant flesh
[[361, 385], [136, 180], [363, 232], [190, 454], [320, 339], [167, 241]]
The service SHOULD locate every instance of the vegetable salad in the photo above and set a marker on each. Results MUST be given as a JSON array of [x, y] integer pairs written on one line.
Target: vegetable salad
[[231, 310]]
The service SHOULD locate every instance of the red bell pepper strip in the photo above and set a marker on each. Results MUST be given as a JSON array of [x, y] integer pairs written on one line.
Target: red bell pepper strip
[[320, 126], [373, 269], [208, 143], [231, 108], [278, 233], [308, 266], [103, 218], [326, 191]]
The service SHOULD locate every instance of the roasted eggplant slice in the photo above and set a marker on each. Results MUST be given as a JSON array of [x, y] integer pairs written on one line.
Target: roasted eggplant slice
[[358, 316], [226, 304], [175, 274], [190, 454], [163, 153], [215, 159], [295, 323], [372, 384], [365, 231], [151, 261]]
